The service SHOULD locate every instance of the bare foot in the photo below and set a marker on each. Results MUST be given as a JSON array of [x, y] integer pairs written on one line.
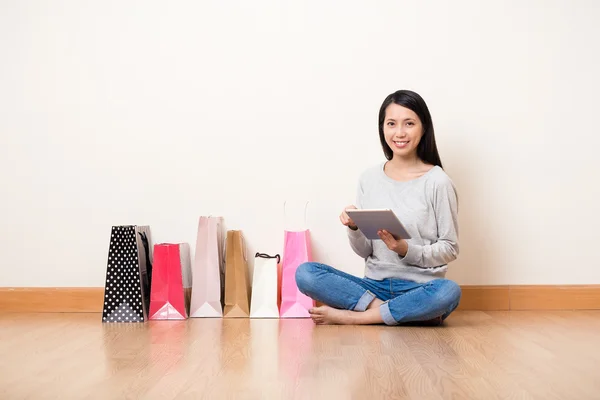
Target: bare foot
[[325, 315]]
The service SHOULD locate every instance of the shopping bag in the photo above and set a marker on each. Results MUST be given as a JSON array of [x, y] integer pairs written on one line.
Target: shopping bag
[[128, 275], [171, 286], [265, 287], [296, 250], [237, 284], [208, 269]]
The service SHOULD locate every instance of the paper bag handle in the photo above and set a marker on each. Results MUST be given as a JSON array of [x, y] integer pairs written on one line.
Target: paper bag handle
[[305, 208], [263, 255], [146, 244]]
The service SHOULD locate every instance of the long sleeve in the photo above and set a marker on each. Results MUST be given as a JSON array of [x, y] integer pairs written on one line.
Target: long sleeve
[[446, 248], [359, 243]]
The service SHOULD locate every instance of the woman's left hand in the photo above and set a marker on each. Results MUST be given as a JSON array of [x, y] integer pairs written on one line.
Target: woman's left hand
[[399, 246]]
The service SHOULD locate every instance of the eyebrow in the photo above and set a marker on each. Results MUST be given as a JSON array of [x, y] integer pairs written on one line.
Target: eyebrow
[[405, 119]]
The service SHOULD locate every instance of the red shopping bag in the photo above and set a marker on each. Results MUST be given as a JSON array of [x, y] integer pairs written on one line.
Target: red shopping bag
[[171, 281]]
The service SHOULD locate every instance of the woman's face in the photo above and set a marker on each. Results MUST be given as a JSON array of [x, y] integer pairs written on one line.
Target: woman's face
[[402, 130]]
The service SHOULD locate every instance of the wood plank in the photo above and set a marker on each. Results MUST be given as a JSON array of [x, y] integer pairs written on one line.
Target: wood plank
[[46, 299], [551, 297], [474, 355]]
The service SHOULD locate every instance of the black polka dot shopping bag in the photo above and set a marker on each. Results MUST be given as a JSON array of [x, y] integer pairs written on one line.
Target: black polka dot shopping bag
[[128, 275]]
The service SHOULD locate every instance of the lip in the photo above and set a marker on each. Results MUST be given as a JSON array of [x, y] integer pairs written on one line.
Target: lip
[[400, 144]]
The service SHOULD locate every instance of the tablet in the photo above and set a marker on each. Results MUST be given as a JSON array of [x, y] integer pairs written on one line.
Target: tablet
[[369, 222]]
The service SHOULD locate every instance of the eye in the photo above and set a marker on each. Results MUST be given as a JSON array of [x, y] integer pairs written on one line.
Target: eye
[[390, 123], [410, 123]]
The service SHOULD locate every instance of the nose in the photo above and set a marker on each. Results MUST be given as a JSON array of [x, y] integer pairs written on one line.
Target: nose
[[400, 133]]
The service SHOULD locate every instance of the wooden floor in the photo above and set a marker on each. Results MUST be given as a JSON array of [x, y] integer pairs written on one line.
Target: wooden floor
[[476, 355]]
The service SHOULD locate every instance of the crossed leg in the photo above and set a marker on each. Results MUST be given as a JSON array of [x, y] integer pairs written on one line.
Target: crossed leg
[[350, 300]]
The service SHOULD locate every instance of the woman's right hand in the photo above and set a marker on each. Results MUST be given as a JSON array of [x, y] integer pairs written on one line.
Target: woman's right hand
[[346, 220]]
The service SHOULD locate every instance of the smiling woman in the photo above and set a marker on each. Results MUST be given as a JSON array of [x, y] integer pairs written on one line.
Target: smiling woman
[[404, 120], [404, 279]]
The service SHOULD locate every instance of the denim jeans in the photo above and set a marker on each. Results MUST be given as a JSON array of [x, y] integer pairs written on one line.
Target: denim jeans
[[404, 301]]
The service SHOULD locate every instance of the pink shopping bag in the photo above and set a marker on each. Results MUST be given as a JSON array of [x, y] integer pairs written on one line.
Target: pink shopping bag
[[208, 269], [169, 296], [296, 250]]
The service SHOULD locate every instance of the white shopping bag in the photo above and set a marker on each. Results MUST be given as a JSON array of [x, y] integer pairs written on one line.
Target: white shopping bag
[[265, 284], [208, 269]]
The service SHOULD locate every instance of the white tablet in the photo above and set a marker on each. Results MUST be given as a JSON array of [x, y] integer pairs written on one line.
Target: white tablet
[[369, 222]]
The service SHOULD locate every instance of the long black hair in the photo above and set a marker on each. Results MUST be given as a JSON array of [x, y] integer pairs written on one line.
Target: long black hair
[[427, 149]]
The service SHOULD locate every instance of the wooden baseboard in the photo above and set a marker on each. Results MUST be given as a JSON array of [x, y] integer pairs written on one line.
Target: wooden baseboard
[[531, 297], [579, 297], [482, 298], [81, 299], [485, 298]]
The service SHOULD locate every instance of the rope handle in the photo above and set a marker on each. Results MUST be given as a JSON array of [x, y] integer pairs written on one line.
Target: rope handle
[[263, 255]]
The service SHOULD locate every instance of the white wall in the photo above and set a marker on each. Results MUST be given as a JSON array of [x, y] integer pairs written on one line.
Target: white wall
[[156, 112]]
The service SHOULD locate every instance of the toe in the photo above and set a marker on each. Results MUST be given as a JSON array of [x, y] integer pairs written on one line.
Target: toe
[[317, 311]]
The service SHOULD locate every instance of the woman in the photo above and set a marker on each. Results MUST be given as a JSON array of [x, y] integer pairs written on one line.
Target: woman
[[404, 279]]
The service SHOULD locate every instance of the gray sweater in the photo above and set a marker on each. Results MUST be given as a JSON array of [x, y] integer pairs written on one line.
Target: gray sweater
[[427, 207]]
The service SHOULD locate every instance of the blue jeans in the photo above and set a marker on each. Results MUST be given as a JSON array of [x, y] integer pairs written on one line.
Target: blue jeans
[[404, 301]]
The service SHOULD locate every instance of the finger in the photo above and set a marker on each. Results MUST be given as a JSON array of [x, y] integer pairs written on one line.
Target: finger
[[344, 219], [387, 239], [348, 221], [391, 235], [388, 235], [391, 238], [382, 236]]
